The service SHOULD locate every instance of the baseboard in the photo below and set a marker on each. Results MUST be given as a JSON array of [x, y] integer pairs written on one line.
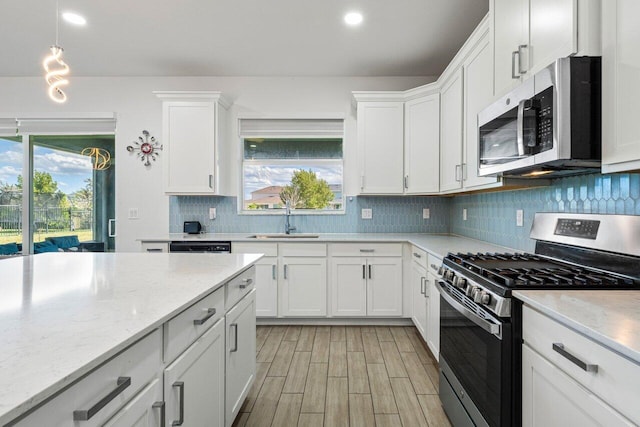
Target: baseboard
[[378, 321]]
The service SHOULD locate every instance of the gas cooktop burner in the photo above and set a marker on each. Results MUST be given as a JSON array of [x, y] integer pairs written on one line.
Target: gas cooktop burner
[[522, 270]]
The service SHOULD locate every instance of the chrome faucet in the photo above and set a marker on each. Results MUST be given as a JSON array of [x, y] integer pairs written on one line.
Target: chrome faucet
[[287, 214]]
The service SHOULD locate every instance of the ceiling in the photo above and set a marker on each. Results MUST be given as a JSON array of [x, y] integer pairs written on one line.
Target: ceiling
[[239, 37]]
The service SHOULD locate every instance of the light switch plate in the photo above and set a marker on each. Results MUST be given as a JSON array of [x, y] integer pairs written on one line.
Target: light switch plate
[[133, 213], [212, 213], [519, 218], [464, 214], [367, 213], [425, 213]]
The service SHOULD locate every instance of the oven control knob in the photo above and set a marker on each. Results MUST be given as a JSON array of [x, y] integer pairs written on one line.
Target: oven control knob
[[485, 298], [470, 290], [455, 281], [449, 275], [441, 270], [462, 282], [475, 295]]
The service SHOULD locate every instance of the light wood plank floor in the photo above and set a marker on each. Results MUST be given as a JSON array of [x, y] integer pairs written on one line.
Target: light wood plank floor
[[342, 376]]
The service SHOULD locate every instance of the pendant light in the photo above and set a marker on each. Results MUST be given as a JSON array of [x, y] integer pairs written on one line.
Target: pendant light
[[56, 69]]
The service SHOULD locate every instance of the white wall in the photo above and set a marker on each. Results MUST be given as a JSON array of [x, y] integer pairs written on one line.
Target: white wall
[[137, 109]]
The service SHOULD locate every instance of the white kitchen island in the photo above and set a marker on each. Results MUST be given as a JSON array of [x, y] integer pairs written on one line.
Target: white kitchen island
[[62, 315]]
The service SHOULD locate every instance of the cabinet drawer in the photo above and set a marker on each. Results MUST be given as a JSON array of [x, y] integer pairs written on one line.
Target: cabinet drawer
[[366, 249], [419, 256], [616, 380], [140, 364], [239, 286], [303, 249], [434, 264], [268, 249], [182, 330]]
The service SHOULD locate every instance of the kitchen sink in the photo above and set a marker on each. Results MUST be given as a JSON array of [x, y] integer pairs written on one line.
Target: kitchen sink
[[284, 236]]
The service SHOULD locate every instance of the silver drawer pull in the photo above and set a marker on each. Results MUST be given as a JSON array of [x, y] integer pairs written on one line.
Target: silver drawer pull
[[154, 250], [235, 337], [160, 405], [367, 251], [435, 267], [203, 320], [245, 283], [559, 348], [417, 255], [86, 414], [180, 420]]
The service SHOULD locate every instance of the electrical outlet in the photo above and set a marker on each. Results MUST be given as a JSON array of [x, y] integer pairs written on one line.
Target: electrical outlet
[[464, 214], [425, 213], [212, 213], [133, 213], [519, 218], [367, 213]]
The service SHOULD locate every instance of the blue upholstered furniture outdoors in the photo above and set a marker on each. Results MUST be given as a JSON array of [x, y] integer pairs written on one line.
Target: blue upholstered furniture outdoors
[[9, 249]]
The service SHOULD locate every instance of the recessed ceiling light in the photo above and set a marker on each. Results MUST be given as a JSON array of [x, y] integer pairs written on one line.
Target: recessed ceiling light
[[353, 18], [74, 18]]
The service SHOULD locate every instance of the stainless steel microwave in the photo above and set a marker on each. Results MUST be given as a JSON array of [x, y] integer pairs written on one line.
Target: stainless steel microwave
[[549, 125]]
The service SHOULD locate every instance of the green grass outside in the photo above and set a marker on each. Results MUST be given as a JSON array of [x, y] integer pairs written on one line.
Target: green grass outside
[[39, 236]]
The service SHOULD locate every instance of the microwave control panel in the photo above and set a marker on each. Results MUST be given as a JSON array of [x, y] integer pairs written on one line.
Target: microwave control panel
[[544, 102]]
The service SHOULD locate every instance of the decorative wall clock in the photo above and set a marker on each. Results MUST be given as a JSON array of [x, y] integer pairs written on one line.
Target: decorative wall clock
[[146, 147]]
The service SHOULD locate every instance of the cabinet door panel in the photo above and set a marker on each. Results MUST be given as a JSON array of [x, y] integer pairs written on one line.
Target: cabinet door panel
[[551, 398], [433, 316], [189, 155], [201, 371], [510, 29], [241, 354], [422, 145], [348, 286], [620, 85], [384, 287], [380, 147], [553, 31], [140, 411], [419, 317], [267, 287], [304, 286], [478, 95], [451, 133]]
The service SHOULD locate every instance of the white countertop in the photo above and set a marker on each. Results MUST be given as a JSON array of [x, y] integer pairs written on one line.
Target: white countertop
[[63, 314], [437, 244], [611, 318]]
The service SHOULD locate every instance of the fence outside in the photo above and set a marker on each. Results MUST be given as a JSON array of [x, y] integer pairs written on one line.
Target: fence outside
[[45, 219]]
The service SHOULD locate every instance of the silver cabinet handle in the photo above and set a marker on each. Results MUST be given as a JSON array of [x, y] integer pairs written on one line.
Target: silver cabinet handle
[[154, 250], [110, 227], [180, 385], [160, 405], [367, 251], [211, 181], [435, 267], [369, 271], [422, 291], [86, 414], [406, 181], [426, 287], [417, 255], [513, 64], [520, 70], [559, 348], [285, 272], [362, 182], [235, 337], [201, 321], [364, 271], [273, 272], [245, 283], [458, 174]]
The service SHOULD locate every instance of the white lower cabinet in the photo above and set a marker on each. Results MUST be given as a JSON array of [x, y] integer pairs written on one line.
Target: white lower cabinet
[[194, 383], [304, 286], [240, 354], [419, 292], [570, 380], [266, 275], [366, 279], [154, 247], [146, 409]]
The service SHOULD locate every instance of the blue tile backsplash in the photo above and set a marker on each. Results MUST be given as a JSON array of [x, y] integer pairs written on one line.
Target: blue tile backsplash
[[490, 216]]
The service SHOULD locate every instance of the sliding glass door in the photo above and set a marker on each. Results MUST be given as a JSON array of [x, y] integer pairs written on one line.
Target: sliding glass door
[[69, 190]]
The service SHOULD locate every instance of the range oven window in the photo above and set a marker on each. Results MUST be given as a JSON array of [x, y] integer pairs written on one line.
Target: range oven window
[[480, 361]]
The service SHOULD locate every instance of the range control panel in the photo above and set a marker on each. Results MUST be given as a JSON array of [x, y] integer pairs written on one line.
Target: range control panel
[[580, 228]]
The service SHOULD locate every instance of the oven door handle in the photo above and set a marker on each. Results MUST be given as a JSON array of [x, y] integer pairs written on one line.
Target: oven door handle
[[492, 328]]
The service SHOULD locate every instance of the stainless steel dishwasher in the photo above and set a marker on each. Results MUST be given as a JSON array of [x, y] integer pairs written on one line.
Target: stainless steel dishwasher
[[207, 246]]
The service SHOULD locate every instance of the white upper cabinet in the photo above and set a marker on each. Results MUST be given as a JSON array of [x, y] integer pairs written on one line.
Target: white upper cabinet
[[620, 85], [531, 34], [380, 147], [422, 145], [451, 132], [194, 131]]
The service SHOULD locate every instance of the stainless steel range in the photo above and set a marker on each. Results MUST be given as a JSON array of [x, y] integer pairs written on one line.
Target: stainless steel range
[[481, 325]]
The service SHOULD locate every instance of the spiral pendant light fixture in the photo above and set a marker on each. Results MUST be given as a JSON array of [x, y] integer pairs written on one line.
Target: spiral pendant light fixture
[[56, 69]]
